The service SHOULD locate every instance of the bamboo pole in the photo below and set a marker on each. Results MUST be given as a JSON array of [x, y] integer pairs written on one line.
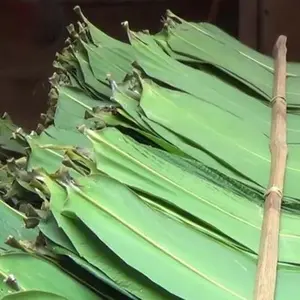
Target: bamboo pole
[[265, 284]]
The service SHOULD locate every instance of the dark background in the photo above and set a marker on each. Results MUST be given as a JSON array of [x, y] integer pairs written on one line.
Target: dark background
[[32, 31]]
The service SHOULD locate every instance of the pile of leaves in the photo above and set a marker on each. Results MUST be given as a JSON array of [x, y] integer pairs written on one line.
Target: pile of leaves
[[146, 176]]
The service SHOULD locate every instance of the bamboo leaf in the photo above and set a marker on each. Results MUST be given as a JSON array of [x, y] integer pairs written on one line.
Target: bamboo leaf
[[33, 295], [97, 253], [182, 117], [12, 224], [151, 174], [8, 146], [208, 47], [34, 273], [97, 196]]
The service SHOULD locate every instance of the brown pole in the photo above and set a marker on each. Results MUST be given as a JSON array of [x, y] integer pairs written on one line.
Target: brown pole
[[265, 285]]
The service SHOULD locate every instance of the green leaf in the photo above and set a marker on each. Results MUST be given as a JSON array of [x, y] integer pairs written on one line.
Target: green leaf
[[195, 41], [33, 295], [72, 106], [51, 230], [127, 229], [47, 149], [182, 113], [12, 224], [116, 155], [232, 214], [34, 273], [8, 146], [96, 253], [99, 38], [102, 283]]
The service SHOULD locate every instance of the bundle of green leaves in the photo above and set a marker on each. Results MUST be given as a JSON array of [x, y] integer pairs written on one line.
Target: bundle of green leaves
[[146, 178]]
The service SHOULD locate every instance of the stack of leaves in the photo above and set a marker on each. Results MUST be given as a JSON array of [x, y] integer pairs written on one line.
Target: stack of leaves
[[146, 179]]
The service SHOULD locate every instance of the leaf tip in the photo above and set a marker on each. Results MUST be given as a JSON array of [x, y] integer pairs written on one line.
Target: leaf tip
[[82, 128]]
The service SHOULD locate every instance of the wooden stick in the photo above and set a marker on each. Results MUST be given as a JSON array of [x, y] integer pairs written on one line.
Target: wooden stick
[[265, 285]]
